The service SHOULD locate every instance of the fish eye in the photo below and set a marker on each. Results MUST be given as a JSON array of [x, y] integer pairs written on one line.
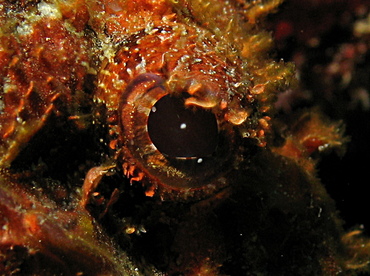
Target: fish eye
[[175, 145], [182, 132]]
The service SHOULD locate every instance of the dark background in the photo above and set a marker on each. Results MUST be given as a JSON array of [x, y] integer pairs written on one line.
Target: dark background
[[333, 62]]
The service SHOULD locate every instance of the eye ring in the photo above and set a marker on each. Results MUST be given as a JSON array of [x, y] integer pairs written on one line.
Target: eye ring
[[175, 170]]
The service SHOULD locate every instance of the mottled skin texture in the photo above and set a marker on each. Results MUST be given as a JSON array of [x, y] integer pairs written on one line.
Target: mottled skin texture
[[95, 69], [37, 72], [200, 58]]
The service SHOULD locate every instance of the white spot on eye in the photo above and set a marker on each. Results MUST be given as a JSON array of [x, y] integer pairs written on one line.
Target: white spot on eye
[[183, 126], [320, 211], [154, 109], [200, 160]]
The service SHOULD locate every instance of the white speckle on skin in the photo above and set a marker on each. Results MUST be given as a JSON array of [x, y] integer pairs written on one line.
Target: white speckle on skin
[[2, 106], [24, 29], [45, 10], [48, 10]]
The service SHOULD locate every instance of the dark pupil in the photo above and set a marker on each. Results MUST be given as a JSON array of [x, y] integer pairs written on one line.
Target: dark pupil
[[178, 131]]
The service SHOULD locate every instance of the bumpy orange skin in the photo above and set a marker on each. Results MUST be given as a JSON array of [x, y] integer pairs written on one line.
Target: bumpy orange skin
[[41, 63], [258, 209], [226, 72]]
